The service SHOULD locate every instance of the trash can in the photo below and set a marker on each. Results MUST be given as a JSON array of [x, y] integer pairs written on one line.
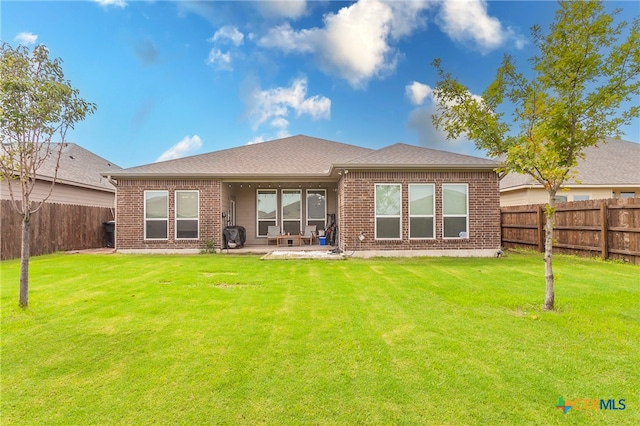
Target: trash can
[[110, 229], [323, 241]]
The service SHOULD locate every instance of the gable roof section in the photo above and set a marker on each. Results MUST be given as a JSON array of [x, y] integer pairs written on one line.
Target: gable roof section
[[304, 157], [401, 155], [293, 156], [614, 163], [78, 167]]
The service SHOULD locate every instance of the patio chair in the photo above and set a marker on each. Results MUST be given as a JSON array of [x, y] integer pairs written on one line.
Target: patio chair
[[272, 233], [309, 234]]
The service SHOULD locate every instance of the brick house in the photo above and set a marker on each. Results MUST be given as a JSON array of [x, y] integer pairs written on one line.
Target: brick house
[[404, 199]]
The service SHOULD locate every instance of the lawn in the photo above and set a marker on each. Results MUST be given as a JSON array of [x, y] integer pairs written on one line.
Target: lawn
[[224, 339]]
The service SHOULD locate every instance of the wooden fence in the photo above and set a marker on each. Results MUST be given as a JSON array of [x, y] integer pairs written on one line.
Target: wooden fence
[[55, 227], [607, 228]]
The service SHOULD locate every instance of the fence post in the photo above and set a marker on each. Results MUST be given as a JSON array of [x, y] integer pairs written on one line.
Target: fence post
[[604, 230], [540, 220]]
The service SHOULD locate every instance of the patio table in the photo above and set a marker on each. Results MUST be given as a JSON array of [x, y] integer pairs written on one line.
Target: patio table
[[288, 238]]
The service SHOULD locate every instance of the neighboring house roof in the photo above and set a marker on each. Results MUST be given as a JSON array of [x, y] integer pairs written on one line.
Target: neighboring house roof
[[614, 163], [300, 156], [78, 167]]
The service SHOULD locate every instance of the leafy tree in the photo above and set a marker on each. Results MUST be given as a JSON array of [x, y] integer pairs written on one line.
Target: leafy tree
[[36, 105], [586, 69]]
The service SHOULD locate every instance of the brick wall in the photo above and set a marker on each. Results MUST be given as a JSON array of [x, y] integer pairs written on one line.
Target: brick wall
[[130, 212], [357, 210]]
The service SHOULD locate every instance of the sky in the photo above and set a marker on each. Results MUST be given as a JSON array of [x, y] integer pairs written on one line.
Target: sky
[[178, 78]]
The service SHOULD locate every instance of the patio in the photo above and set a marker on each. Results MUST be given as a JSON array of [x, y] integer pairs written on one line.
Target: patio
[[265, 249]]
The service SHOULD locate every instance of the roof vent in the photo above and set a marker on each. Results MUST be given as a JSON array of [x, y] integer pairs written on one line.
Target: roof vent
[[71, 156]]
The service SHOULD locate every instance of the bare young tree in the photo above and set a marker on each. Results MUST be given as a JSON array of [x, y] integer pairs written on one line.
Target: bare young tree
[[36, 105]]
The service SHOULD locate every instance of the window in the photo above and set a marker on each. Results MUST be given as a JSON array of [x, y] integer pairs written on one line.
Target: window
[[317, 208], [291, 211], [267, 210], [580, 197], [388, 204], [561, 198], [156, 215], [627, 195], [421, 208], [187, 214], [455, 212]]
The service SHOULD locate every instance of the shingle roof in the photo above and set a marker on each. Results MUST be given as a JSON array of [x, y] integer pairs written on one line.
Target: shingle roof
[[79, 167], [615, 162], [302, 156], [295, 155], [403, 155]]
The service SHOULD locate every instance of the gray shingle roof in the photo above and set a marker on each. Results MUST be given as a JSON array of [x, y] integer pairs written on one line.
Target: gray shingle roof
[[295, 155], [615, 162], [79, 167], [302, 156], [403, 155]]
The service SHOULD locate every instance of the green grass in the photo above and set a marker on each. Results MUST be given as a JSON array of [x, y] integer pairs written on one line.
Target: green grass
[[223, 339]]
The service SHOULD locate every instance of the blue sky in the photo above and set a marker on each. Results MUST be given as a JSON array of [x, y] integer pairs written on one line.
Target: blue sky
[[177, 78]]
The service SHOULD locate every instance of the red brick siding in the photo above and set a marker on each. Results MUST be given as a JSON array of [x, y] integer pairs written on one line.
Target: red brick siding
[[357, 210], [130, 211]]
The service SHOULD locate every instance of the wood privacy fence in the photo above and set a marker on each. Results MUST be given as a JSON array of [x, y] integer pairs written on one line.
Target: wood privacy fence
[[55, 227], [607, 228]]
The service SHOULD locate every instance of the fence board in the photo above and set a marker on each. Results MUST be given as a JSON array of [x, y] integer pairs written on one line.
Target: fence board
[[608, 227], [55, 227]]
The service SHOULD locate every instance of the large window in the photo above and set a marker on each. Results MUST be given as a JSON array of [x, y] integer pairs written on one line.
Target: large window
[[421, 208], [187, 214], [291, 210], [388, 203], [316, 208], [455, 212], [156, 215], [267, 210]]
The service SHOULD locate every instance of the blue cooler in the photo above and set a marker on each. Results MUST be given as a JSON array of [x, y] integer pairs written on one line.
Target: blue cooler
[[323, 241]]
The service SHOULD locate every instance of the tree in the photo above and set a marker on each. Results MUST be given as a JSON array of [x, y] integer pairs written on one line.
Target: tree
[[586, 69], [36, 105]]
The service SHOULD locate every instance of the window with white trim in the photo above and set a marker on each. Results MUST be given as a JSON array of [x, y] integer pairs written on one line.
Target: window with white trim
[[455, 210], [187, 215], [267, 210], [422, 223], [317, 208], [156, 215], [388, 208], [291, 211]]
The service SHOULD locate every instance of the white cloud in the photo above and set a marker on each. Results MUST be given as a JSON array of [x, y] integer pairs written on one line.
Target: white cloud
[[418, 92], [257, 139], [355, 42], [220, 61], [468, 22], [290, 9], [229, 33], [289, 40], [275, 105], [117, 3], [182, 148], [26, 38], [420, 120]]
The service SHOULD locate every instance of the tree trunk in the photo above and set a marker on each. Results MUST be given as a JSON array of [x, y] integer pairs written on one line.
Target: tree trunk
[[24, 259], [549, 298]]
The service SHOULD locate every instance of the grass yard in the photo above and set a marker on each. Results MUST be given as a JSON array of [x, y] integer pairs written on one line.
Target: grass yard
[[224, 339]]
